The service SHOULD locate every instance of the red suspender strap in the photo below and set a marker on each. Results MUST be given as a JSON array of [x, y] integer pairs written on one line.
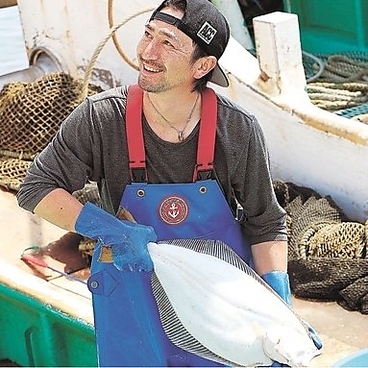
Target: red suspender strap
[[207, 136], [134, 133]]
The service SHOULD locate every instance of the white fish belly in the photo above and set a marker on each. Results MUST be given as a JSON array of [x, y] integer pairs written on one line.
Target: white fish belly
[[229, 311]]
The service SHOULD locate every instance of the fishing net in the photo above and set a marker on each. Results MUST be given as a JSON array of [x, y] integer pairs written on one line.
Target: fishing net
[[30, 115], [12, 171], [327, 252]]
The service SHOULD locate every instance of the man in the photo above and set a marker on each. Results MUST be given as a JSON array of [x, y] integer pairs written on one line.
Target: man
[[153, 168]]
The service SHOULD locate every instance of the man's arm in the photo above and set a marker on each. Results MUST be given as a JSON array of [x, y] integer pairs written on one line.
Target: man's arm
[[270, 262], [270, 256], [131, 239], [60, 208]]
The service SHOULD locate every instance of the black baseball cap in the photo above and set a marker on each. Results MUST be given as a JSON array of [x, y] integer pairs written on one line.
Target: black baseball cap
[[206, 26]]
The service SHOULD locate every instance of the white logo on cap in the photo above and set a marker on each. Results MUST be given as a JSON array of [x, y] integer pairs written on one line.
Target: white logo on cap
[[207, 33]]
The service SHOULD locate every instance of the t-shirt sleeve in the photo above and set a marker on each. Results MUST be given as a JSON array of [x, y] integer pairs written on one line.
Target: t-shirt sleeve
[[264, 218]]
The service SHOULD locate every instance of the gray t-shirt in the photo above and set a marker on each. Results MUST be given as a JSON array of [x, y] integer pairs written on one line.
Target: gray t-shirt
[[91, 146]]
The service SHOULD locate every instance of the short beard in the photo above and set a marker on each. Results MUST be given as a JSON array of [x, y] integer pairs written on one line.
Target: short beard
[[155, 88]]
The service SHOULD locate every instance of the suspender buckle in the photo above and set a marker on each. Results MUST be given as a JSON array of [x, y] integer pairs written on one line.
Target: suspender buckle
[[204, 175], [138, 174], [203, 172]]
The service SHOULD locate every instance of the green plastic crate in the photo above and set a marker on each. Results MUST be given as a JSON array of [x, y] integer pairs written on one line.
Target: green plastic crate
[[331, 26], [34, 334]]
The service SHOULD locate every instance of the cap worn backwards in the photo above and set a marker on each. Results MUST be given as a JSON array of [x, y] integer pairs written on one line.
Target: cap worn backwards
[[206, 26]]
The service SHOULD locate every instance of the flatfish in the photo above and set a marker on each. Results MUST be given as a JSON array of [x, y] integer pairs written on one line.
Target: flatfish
[[213, 304]]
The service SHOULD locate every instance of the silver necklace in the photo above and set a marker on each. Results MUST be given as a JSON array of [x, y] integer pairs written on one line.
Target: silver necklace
[[180, 132]]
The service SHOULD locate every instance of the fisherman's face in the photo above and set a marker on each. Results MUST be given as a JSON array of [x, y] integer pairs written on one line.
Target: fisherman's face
[[164, 54]]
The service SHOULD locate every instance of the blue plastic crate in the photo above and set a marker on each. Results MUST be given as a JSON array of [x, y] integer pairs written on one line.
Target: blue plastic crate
[[359, 359]]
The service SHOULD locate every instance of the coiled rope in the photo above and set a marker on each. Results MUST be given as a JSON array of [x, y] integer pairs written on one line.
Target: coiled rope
[[340, 81]]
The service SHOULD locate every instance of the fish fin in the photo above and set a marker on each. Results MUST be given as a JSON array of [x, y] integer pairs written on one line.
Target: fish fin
[[175, 330]]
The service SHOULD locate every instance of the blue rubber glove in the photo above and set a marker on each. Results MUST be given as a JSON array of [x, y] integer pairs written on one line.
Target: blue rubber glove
[[279, 281], [128, 239]]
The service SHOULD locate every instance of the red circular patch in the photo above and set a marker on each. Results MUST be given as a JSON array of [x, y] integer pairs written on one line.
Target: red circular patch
[[173, 210]]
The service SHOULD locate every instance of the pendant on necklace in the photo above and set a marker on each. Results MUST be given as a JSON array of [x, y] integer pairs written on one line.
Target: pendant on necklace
[[180, 132]]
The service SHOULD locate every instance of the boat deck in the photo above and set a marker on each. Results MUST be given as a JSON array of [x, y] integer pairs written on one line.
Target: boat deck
[[342, 332]]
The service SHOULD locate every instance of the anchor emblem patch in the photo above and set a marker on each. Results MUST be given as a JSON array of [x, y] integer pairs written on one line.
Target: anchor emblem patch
[[173, 210]]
